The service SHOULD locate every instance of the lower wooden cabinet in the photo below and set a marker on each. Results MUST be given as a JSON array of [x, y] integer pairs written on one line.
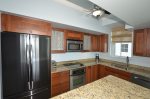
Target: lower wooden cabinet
[[91, 73], [101, 71], [105, 71], [60, 83]]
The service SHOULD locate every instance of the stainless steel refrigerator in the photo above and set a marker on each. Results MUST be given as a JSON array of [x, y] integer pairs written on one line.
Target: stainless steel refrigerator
[[25, 66]]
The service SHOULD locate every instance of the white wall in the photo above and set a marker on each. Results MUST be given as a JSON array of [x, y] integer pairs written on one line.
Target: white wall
[[72, 56], [52, 11]]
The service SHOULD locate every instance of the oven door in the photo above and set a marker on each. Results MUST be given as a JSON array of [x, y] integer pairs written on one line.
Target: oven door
[[77, 81], [74, 46]]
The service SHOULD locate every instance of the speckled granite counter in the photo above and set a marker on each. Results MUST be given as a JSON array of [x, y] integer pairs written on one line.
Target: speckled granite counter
[[144, 71], [109, 87]]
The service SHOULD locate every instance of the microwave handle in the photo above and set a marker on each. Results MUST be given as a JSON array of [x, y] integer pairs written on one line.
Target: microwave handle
[[81, 46]]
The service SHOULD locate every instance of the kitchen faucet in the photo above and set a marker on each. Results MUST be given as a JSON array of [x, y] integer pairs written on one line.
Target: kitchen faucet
[[127, 62]]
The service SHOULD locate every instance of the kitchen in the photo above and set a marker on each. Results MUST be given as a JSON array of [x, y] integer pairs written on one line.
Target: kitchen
[[71, 29]]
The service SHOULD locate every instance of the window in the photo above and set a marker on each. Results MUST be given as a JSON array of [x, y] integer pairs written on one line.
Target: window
[[123, 49]]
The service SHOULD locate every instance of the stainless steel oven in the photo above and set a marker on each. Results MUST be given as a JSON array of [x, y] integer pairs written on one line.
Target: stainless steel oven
[[77, 77], [74, 45]]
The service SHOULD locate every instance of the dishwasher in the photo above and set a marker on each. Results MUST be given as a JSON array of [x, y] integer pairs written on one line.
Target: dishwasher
[[141, 80]]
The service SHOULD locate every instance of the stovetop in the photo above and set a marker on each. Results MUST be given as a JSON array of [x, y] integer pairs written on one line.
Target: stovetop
[[73, 65]]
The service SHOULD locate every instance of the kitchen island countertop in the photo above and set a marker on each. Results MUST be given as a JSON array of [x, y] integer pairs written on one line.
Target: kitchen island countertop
[[109, 87]]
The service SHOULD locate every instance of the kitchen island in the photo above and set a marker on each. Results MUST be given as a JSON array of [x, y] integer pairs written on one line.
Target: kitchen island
[[109, 87]]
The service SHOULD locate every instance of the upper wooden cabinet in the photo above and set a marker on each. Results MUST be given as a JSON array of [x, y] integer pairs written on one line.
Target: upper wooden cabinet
[[74, 35], [103, 43], [20, 24], [87, 42], [148, 42], [95, 46], [58, 41], [141, 42]]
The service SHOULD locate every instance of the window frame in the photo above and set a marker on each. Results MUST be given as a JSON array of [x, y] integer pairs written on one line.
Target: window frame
[[113, 48]]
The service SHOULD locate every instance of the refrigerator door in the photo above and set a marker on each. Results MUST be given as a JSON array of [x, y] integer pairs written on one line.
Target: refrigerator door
[[25, 66], [14, 64], [40, 62]]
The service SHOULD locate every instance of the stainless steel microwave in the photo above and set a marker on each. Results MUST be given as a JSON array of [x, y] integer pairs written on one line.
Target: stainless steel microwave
[[74, 45]]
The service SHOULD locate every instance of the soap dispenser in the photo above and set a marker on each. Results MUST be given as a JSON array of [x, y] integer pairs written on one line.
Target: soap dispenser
[[97, 58]]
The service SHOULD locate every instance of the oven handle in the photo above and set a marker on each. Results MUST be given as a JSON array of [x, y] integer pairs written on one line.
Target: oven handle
[[78, 74]]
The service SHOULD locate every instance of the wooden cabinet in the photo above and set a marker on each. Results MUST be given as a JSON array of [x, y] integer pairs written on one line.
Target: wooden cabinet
[[88, 74], [105, 71], [58, 41], [117, 73], [91, 73], [141, 42], [95, 43], [148, 42], [87, 43], [101, 71], [20, 24], [94, 72], [103, 43], [60, 83], [74, 35]]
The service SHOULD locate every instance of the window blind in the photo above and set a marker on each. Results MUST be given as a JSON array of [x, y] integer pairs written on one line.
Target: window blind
[[121, 35]]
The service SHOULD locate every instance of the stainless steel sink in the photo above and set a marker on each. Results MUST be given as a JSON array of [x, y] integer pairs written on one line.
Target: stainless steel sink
[[119, 65]]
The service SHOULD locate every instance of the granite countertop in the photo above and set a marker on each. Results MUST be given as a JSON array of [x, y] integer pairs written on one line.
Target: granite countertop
[[109, 87], [144, 71]]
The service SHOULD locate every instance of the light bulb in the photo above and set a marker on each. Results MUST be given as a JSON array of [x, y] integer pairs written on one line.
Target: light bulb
[[97, 12]]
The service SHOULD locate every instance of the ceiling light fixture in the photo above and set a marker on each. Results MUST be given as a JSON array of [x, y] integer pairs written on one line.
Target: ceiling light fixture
[[98, 13]]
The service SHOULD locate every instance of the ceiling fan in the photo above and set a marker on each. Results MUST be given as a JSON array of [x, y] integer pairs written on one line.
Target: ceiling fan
[[98, 12]]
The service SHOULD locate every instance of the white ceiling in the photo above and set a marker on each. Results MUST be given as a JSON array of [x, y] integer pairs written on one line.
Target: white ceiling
[[86, 6], [134, 12]]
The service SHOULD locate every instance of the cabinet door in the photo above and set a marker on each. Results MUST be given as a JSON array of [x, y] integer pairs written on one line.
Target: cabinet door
[[101, 71], [103, 43], [94, 72], [87, 43], [118, 73], [58, 41], [88, 74], [139, 43], [19, 24], [15, 67], [148, 42], [55, 86], [65, 81], [60, 83], [94, 43], [74, 35]]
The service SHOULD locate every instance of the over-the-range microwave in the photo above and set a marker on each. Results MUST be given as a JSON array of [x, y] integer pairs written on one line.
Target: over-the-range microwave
[[74, 45]]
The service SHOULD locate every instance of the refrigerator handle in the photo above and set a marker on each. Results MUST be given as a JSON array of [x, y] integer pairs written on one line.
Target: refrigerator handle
[[28, 53], [30, 62]]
